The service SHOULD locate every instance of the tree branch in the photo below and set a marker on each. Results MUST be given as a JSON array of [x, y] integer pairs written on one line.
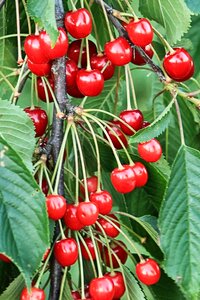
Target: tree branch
[[2, 2]]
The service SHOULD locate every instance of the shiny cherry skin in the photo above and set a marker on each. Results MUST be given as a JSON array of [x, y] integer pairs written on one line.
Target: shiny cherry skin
[[179, 65], [148, 271], [92, 183], [119, 251], [39, 69], [60, 48], [137, 59], [71, 72], [119, 285], [134, 118], [103, 200], [4, 258], [123, 180], [115, 131], [109, 229], [91, 248], [34, 50], [140, 173], [66, 252], [150, 151], [87, 213], [39, 118], [98, 61], [41, 90], [71, 219], [76, 295], [140, 32], [56, 206], [90, 82], [35, 294], [74, 52], [78, 23], [101, 288], [119, 51]]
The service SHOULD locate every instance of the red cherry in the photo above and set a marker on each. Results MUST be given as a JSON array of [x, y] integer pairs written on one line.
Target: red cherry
[[145, 124], [45, 187], [4, 258], [179, 64], [60, 48], [39, 118], [102, 288], [66, 252], [134, 118], [73, 91], [119, 251], [41, 90], [140, 173], [150, 151], [148, 271], [71, 219], [87, 213], [34, 50], [71, 72], [76, 295], [33, 294], [39, 69], [123, 180], [115, 126], [137, 59], [74, 52], [119, 51], [90, 247], [109, 229], [119, 285], [92, 183], [56, 206], [103, 200], [78, 23], [98, 61], [46, 254], [90, 82], [140, 32]]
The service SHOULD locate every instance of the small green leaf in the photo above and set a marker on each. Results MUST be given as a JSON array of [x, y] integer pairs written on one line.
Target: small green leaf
[[18, 130], [13, 291], [194, 5], [43, 13], [24, 228], [174, 16], [155, 129], [180, 222]]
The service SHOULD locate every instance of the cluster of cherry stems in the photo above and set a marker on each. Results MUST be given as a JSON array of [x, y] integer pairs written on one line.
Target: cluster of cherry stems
[[86, 71]]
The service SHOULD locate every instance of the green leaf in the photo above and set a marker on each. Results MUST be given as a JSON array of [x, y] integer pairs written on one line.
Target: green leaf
[[23, 219], [174, 16], [180, 222], [67, 295], [13, 291], [43, 13], [194, 5], [155, 129], [18, 130], [133, 289]]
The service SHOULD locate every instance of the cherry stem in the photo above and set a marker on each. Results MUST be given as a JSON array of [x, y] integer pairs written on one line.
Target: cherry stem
[[108, 137], [124, 235], [63, 283], [74, 131], [132, 87], [88, 252], [178, 112], [88, 68], [127, 89], [32, 90], [80, 266], [80, 53], [76, 169], [163, 40], [23, 76], [106, 19], [7, 81], [73, 5], [44, 79], [97, 154], [27, 16], [131, 10], [46, 96], [43, 268], [96, 253], [48, 179], [61, 230], [19, 48]]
